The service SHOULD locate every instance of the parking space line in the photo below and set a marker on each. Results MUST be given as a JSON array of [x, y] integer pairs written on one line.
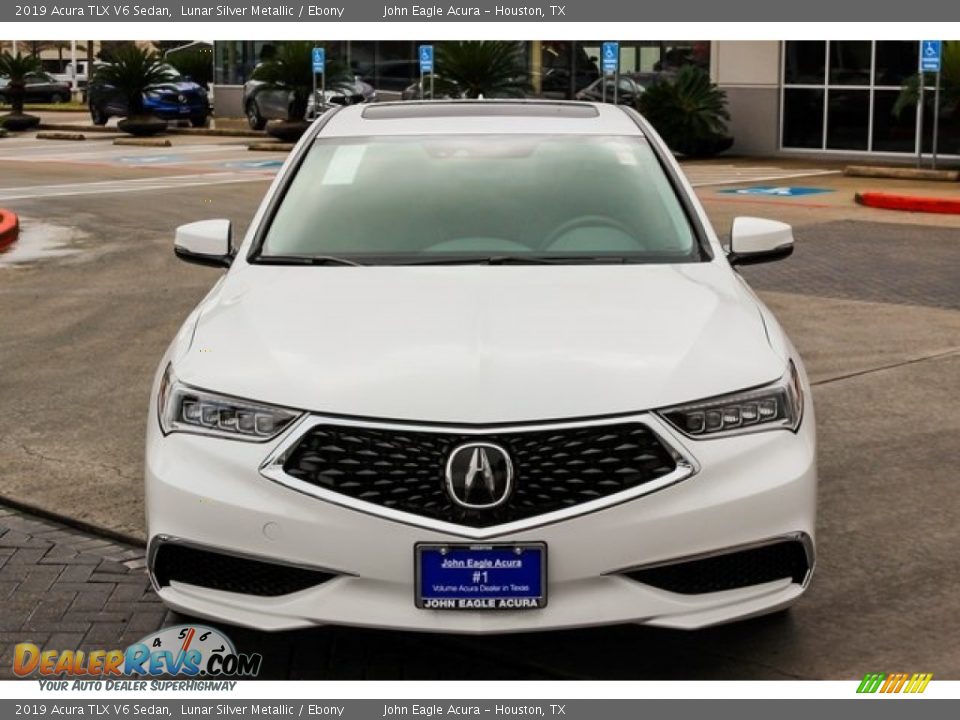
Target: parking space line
[[169, 182], [732, 175]]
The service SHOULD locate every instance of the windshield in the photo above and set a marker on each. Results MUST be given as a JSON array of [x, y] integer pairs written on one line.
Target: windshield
[[456, 198]]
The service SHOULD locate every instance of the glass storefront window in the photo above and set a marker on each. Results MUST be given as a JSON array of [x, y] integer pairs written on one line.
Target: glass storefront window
[[896, 61], [860, 82], [850, 62], [848, 119], [805, 62], [893, 133], [803, 118]]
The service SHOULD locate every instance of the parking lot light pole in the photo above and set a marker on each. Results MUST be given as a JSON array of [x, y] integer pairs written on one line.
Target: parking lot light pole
[[74, 86]]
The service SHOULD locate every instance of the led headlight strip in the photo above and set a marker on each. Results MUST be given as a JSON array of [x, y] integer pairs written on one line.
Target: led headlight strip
[[775, 406], [182, 408]]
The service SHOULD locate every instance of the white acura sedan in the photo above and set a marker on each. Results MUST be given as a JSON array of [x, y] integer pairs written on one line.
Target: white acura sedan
[[481, 366]]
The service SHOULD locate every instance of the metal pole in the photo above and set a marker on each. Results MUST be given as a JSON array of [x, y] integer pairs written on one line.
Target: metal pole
[[936, 119], [323, 88], [74, 88], [431, 83], [423, 86], [316, 100], [616, 80], [603, 83], [920, 124]]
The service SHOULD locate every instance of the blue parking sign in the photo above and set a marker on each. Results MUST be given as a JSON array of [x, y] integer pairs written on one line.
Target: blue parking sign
[[930, 53], [319, 60], [426, 59], [610, 57]]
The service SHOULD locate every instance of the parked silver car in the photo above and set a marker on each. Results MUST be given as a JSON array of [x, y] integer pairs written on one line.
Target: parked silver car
[[262, 102]]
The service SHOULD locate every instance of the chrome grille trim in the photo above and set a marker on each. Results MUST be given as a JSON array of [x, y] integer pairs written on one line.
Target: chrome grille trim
[[272, 469]]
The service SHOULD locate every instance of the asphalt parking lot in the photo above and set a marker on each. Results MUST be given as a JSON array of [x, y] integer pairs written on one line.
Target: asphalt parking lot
[[91, 294]]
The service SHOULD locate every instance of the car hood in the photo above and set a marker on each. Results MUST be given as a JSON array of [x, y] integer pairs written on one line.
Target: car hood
[[178, 86], [479, 344]]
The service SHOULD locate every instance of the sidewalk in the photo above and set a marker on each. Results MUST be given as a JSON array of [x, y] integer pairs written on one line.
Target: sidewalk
[[65, 589]]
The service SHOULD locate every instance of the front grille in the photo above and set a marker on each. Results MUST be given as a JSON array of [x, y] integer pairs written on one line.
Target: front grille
[[181, 563], [554, 469], [741, 568]]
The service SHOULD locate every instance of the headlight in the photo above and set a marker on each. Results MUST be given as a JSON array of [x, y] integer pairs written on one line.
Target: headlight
[[772, 407], [186, 409]]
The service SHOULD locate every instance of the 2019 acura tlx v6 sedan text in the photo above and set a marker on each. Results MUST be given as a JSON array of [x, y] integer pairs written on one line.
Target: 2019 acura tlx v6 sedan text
[[481, 366]]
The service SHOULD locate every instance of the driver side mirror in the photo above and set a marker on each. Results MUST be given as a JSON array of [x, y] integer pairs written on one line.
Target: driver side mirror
[[756, 240], [204, 243]]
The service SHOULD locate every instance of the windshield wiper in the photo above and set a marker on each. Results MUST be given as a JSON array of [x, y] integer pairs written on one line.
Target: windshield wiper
[[519, 260], [304, 260]]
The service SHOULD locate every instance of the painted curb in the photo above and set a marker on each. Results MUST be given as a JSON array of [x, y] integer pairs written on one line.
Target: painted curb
[[142, 142], [211, 132], [901, 173], [909, 203], [59, 135], [9, 228], [274, 146]]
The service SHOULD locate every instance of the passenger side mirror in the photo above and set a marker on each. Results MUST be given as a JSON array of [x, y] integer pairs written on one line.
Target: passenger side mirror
[[204, 243], [756, 240]]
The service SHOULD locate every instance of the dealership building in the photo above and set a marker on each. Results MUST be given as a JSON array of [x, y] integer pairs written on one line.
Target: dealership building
[[823, 97]]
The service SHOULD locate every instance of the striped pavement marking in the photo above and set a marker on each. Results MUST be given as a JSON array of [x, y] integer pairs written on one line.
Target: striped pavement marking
[[712, 175], [167, 182]]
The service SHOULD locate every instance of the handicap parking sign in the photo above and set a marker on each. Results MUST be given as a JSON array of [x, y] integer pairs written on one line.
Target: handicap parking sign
[[930, 53], [319, 60], [426, 59], [610, 55], [786, 191]]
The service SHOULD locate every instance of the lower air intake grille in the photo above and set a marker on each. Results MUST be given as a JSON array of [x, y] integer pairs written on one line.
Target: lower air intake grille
[[180, 563], [554, 469], [742, 568]]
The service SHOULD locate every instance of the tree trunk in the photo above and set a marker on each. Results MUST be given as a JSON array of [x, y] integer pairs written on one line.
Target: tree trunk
[[17, 91]]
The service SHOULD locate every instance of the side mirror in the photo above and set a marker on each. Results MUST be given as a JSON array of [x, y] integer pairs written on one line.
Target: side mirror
[[756, 240], [205, 243]]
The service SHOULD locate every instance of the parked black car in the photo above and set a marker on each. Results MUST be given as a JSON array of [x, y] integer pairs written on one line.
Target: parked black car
[[39, 90], [177, 99]]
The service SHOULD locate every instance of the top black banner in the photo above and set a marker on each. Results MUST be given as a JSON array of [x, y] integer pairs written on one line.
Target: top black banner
[[219, 11]]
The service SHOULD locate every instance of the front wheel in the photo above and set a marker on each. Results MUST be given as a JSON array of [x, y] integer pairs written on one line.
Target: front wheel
[[201, 121], [58, 98], [254, 119], [98, 116]]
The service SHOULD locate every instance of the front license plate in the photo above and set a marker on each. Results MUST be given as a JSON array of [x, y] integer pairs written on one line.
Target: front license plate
[[481, 577]]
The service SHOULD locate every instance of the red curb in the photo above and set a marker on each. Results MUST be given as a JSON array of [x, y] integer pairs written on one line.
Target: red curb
[[909, 203], [9, 228]]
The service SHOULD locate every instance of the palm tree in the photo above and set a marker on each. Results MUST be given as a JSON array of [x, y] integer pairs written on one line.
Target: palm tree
[[290, 69], [689, 112], [130, 72], [16, 68], [481, 68], [949, 85]]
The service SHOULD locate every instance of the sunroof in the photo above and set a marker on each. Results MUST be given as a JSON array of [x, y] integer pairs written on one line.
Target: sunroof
[[477, 108]]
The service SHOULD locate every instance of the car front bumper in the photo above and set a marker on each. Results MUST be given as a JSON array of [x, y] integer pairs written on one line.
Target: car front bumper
[[748, 490]]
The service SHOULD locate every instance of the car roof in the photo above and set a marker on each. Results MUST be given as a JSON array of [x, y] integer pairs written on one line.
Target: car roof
[[483, 117]]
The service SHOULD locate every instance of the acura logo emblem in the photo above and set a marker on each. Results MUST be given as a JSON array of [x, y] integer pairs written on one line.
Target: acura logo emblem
[[479, 475]]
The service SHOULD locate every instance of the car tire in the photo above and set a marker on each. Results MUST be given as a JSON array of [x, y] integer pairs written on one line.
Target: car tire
[[200, 122], [58, 98], [255, 120], [98, 116]]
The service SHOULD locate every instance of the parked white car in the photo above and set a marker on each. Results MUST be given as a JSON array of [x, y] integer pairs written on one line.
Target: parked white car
[[481, 366]]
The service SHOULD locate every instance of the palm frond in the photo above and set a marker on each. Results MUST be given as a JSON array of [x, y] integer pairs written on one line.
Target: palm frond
[[131, 71]]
